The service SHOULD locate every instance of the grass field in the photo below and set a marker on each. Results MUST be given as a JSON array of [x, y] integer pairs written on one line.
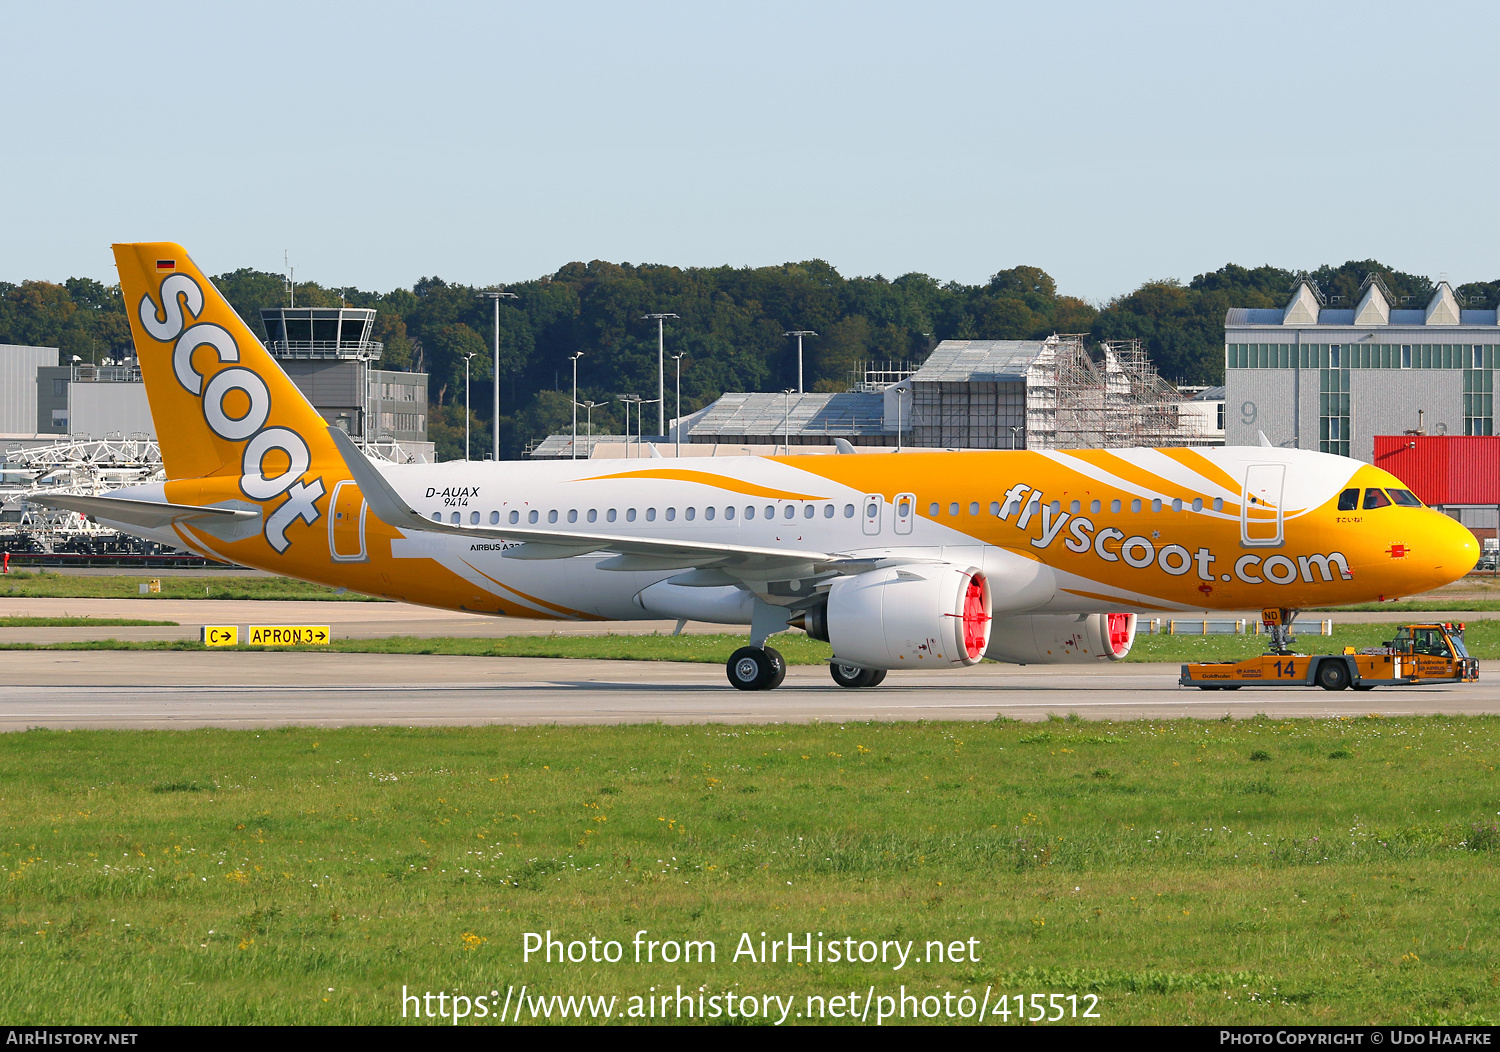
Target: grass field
[[1482, 637], [80, 622], [1257, 871], [42, 585]]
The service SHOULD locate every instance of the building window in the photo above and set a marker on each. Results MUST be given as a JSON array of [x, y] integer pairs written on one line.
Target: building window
[[1335, 353], [1406, 356]]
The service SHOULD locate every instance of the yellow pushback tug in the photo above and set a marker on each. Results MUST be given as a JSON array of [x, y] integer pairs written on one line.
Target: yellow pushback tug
[[1420, 653]]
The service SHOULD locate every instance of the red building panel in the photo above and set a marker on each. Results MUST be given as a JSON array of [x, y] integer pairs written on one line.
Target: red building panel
[[1443, 469]]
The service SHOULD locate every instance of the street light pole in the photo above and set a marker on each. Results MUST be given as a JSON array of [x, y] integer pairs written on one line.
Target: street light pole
[[467, 357], [497, 296], [786, 422], [661, 369], [628, 399], [677, 431], [574, 360], [799, 333], [589, 408]]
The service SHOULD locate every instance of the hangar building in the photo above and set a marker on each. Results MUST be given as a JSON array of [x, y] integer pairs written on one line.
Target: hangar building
[[1315, 376]]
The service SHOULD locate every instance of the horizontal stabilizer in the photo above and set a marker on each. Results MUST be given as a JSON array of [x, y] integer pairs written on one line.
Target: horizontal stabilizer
[[148, 514]]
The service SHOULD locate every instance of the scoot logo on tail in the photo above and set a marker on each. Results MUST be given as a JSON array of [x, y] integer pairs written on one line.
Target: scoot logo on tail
[[167, 323]]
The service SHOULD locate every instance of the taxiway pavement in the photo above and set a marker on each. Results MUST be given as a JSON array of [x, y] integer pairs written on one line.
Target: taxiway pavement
[[133, 689]]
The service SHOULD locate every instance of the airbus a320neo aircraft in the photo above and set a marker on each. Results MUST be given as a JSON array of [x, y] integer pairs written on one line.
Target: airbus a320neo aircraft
[[918, 560]]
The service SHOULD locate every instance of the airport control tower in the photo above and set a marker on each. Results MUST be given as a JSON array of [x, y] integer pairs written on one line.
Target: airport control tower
[[328, 353]]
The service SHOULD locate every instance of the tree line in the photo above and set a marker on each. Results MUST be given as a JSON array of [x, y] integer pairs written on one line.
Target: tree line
[[730, 328]]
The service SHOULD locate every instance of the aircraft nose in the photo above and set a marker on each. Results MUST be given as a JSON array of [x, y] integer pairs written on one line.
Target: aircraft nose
[[1454, 548]]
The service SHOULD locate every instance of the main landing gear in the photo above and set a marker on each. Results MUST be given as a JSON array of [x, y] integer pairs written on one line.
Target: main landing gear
[[763, 668], [756, 668], [854, 676]]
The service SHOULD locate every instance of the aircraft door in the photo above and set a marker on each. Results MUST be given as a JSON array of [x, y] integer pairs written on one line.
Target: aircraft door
[[870, 507], [1261, 515], [346, 524], [903, 511]]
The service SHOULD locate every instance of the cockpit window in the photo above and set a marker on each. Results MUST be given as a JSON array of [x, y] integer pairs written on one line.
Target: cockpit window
[[1405, 497], [1375, 498], [1349, 500]]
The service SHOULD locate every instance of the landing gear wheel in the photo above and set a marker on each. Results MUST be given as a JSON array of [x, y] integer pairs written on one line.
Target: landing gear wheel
[[879, 677], [1333, 675], [751, 668], [854, 676], [779, 663]]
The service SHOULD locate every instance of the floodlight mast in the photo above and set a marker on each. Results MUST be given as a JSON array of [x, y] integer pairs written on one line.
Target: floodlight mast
[[497, 296], [661, 370], [799, 333]]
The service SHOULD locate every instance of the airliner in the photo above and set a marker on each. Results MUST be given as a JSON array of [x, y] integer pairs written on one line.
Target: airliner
[[917, 560]]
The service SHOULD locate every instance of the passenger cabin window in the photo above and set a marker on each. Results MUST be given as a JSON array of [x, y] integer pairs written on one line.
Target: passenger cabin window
[[609, 516], [533, 516], [1375, 498], [1349, 500], [515, 517], [494, 518], [848, 511], [437, 516], [932, 509], [1405, 497], [593, 515]]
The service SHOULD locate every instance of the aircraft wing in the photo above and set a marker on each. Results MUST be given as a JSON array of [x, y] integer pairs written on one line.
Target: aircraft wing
[[144, 513], [630, 553]]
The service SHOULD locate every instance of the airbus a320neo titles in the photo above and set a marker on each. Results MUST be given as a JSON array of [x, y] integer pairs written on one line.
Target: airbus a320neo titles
[[920, 560]]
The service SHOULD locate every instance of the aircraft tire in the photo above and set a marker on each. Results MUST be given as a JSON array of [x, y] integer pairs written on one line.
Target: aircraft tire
[[1333, 675], [750, 668], [854, 677], [879, 677], [779, 663]]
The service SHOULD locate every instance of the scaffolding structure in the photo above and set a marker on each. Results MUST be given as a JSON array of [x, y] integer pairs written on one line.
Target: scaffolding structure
[[1065, 397], [1141, 408]]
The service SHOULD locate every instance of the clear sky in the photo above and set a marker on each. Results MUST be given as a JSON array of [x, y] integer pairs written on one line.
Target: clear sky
[[490, 142]]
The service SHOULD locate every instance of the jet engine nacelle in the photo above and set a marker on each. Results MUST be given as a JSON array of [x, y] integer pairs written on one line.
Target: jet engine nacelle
[[919, 616], [1061, 639]]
